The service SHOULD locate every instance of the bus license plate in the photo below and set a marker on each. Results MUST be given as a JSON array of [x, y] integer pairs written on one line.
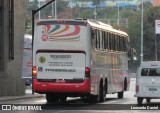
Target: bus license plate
[[152, 89]]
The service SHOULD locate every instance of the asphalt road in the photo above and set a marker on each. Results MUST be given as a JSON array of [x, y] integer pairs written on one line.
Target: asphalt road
[[76, 105]]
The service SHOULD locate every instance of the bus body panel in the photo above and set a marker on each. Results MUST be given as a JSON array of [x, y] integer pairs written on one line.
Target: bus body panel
[[60, 65], [66, 53], [112, 67]]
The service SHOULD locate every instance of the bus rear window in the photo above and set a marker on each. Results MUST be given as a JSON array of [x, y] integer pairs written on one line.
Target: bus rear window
[[150, 72]]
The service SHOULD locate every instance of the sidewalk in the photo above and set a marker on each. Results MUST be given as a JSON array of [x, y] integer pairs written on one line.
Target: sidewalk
[[28, 95]]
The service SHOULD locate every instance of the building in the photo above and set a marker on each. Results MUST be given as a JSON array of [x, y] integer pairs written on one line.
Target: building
[[156, 3], [12, 28]]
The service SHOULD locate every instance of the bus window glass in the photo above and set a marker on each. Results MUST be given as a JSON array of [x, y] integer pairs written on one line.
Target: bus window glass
[[110, 41], [93, 37], [96, 39], [118, 43], [115, 42], [127, 43], [121, 43], [100, 40], [124, 43], [106, 40], [112, 38], [103, 40]]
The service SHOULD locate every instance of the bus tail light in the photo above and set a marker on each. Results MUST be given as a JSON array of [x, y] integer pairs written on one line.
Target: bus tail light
[[87, 72], [137, 88], [34, 71]]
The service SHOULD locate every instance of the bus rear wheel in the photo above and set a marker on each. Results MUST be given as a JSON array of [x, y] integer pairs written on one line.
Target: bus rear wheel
[[101, 97], [139, 100], [148, 100], [55, 98], [50, 98], [120, 94], [102, 93]]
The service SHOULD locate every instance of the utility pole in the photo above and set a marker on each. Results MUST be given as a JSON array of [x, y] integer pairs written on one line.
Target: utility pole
[[39, 11], [55, 9], [118, 16], [142, 34], [95, 12]]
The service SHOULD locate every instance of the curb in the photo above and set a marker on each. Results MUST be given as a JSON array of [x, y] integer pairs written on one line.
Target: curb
[[27, 96]]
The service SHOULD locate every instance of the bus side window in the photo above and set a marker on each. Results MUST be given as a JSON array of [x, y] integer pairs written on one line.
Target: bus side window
[[124, 44], [103, 40], [110, 41], [100, 40], [127, 43], [115, 42], [93, 35], [97, 40], [121, 43], [118, 48]]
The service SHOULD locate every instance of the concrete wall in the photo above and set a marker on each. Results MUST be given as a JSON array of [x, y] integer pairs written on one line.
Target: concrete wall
[[11, 82]]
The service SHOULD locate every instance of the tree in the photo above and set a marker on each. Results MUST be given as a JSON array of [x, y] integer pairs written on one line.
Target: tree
[[30, 6], [149, 33]]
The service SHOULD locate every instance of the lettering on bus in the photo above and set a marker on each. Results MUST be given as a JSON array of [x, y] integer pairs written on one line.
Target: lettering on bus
[[60, 70], [60, 63], [60, 56]]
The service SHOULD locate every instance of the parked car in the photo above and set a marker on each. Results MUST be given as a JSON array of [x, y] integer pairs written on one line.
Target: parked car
[[147, 81]]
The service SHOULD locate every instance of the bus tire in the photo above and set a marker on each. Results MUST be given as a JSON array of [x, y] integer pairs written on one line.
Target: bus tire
[[50, 98], [125, 84], [63, 99], [102, 93], [97, 98], [139, 100], [94, 99], [148, 100], [120, 94]]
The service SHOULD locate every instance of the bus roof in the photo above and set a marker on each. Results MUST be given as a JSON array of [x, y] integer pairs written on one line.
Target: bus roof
[[96, 24], [107, 27]]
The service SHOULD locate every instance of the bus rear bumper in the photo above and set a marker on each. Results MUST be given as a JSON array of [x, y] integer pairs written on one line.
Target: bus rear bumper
[[56, 87]]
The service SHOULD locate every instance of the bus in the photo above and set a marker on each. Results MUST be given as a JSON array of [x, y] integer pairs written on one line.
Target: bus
[[27, 60], [79, 58]]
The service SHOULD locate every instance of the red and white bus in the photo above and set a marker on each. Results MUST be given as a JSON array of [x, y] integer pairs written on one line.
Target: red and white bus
[[79, 58]]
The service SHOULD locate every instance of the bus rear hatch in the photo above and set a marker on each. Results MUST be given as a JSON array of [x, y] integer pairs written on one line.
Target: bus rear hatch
[[60, 65]]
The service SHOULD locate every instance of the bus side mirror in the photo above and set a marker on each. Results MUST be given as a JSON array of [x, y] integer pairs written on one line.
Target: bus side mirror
[[132, 54]]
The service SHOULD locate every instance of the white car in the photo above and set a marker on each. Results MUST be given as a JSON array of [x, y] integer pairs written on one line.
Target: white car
[[148, 81]]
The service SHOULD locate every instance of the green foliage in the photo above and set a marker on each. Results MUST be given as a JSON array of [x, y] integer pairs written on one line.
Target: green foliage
[[133, 14], [87, 13], [134, 32], [149, 33]]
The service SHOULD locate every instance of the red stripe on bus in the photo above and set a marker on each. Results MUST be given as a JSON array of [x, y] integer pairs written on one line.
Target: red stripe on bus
[[28, 48]]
